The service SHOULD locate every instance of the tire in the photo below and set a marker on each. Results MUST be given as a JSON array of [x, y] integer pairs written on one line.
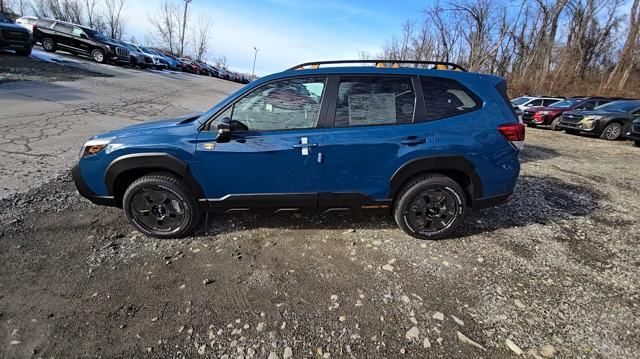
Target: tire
[[161, 206], [24, 52], [636, 143], [49, 45], [531, 125], [426, 198], [612, 132], [554, 124], [98, 56]]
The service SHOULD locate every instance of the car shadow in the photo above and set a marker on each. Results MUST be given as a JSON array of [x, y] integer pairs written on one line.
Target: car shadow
[[537, 200], [534, 153]]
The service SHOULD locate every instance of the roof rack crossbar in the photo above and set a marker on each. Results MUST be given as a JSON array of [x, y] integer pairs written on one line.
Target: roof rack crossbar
[[381, 63]]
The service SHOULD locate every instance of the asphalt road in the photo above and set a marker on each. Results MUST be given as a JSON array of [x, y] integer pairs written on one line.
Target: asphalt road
[[44, 123], [554, 273]]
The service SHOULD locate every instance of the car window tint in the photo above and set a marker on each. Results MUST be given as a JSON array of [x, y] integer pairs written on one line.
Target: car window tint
[[535, 103], [77, 31], [64, 28], [589, 105], [281, 105], [374, 100], [446, 97], [44, 23]]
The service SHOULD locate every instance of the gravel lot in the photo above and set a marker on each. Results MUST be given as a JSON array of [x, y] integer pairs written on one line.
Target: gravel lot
[[553, 273]]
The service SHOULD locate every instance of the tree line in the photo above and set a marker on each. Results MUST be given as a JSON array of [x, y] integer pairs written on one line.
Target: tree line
[[553, 47], [172, 29]]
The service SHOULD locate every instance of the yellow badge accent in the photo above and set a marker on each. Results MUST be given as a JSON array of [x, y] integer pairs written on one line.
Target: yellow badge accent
[[209, 146]]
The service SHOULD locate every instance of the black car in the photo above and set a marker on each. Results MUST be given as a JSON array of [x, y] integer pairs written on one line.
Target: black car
[[80, 40], [610, 121], [634, 131], [15, 37]]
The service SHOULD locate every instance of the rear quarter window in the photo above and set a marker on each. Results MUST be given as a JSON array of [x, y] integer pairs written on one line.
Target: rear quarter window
[[445, 97]]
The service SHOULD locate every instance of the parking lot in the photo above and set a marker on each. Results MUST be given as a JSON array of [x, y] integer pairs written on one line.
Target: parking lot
[[552, 273]]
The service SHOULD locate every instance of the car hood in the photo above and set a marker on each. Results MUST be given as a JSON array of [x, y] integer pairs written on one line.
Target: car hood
[[16, 27], [152, 126]]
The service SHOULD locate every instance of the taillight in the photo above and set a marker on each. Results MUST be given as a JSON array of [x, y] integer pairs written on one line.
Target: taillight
[[514, 133]]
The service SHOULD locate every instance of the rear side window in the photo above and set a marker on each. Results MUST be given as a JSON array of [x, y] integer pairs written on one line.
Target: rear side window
[[44, 23], [374, 100], [447, 97], [64, 28]]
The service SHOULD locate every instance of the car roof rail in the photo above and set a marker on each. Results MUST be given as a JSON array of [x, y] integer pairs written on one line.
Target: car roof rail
[[438, 65]]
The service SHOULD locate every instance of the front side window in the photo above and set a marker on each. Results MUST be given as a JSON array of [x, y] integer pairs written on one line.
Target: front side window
[[78, 32], [445, 97], [374, 100], [281, 105], [535, 103]]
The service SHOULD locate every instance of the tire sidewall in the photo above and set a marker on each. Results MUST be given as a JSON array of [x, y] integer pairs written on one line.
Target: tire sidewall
[[189, 205], [611, 125], [95, 53], [49, 41], [554, 123], [405, 200]]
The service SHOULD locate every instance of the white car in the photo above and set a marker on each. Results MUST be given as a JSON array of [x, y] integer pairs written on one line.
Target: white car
[[522, 103], [27, 22]]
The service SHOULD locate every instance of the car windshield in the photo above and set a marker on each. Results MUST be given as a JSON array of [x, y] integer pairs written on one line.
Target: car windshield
[[565, 103], [619, 106], [520, 100], [4, 20]]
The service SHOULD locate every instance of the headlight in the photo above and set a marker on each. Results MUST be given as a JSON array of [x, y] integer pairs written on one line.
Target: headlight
[[92, 147], [593, 118]]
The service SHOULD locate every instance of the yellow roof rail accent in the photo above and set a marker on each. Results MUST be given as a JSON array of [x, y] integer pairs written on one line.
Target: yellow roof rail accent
[[380, 65], [315, 66], [441, 67], [395, 65]]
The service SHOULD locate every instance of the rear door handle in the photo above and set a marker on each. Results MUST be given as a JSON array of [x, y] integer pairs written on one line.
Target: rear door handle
[[413, 140], [305, 145]]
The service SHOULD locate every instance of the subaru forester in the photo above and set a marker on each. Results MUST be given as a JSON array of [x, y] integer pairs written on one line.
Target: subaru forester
[[425, 141]]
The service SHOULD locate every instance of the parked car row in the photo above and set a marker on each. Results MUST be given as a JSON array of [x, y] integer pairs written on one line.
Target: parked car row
[[605, 117], [76, 39]]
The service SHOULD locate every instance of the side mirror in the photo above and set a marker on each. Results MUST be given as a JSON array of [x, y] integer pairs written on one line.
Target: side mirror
[[224, 130]]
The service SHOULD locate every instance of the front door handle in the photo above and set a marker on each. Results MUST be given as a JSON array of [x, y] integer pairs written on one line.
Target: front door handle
[[413, 140], [305, 145]]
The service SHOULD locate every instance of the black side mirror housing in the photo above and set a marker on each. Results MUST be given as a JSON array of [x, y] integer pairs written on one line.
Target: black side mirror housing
[[224, 130]]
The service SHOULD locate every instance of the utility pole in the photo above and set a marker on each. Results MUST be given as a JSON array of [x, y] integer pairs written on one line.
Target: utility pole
[[255, 55], [184, 26]]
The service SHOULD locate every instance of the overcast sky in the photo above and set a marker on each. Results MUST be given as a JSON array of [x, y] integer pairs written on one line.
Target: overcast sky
[[288, 32]]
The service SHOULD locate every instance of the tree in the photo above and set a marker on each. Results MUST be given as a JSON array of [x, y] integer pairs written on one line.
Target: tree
[[221, 62], [200, 37], [629, 53], [114, 18], [167, 25]]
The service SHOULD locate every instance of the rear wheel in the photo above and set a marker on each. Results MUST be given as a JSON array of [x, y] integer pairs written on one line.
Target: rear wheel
[[430, 207], [98, 56], [612, 132], [162, 206], [636, 143], [48, 44]]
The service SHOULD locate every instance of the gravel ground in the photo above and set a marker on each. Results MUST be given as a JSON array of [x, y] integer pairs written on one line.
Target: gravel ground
[[553, 273]]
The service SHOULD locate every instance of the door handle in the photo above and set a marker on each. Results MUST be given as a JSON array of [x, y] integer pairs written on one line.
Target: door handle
[[413, 140], [305, 145]]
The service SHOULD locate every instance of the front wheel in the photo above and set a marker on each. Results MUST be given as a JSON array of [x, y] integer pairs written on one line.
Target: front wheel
[[24, 52], [612, 132], [162, 206], [430, 207], [636, 143], [98, 56], [554, 124]]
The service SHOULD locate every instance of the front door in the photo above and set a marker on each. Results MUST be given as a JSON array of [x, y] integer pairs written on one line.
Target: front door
[[271, 160]]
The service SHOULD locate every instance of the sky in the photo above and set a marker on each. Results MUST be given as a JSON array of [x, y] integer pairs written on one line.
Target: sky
[[287, 32]]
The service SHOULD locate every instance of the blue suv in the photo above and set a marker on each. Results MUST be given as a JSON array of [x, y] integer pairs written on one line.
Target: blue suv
[[425, 142]]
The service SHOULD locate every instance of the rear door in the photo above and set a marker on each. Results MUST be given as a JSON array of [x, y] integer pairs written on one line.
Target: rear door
[[371, 132], [272, 163], [63, 35]]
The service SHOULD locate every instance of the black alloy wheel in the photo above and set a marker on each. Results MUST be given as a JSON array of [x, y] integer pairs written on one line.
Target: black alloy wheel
[[162, 206], [430, 207]]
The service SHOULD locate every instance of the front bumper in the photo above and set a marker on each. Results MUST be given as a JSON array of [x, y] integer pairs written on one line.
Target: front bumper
[[87, 193]]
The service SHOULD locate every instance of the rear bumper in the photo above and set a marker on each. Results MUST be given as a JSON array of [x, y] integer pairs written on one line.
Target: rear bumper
[[87, 193]]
